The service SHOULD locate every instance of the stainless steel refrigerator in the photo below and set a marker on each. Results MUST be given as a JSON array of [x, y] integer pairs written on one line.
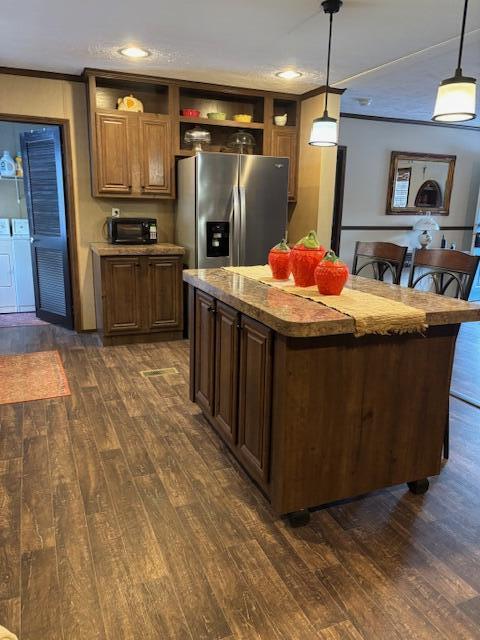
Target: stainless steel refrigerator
[[231, 209]]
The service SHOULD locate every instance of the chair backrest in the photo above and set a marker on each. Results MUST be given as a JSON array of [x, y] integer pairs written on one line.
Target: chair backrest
[[384, 257], [446, 268]]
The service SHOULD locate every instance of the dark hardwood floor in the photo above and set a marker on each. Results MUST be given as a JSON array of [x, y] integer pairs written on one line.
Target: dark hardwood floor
[[122, 517]]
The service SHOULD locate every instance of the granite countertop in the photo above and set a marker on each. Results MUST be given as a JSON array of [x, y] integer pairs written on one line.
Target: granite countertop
[[293, 316], [159, 249]]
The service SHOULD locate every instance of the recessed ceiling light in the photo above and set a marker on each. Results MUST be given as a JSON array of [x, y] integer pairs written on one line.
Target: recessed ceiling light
[[134, 52], [289, 74], [364, 102]]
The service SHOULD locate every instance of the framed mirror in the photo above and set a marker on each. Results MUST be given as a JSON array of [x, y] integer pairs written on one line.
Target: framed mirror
[[420, 182]]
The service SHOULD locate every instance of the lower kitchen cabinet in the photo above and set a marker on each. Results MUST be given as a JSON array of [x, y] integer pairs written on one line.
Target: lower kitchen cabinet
[[138, 298], [254, 398], [226, 371], [231, 356], [204, 356]]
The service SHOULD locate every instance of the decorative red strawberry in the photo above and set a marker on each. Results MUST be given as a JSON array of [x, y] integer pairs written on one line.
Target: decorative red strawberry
[[331, 275], [279, 261], [304, 257]]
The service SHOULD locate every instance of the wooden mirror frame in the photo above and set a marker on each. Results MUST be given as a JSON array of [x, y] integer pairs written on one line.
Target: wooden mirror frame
[[420, 211]]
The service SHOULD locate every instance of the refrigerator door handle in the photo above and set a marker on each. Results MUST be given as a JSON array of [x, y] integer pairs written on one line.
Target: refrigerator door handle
[[235, 230], [242, 235]]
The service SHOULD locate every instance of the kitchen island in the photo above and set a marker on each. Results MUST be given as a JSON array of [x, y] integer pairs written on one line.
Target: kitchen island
[[313, 413]]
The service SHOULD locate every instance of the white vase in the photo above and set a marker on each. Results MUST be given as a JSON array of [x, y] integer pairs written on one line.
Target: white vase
[[7, 165]]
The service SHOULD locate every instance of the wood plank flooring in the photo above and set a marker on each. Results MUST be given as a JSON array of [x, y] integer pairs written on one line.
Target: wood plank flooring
[[122, 517]]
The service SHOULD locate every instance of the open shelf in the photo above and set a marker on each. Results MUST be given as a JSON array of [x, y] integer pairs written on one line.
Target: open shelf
[[226, 101], [219, 134], [222, 123], [281, 106], [153, 96]]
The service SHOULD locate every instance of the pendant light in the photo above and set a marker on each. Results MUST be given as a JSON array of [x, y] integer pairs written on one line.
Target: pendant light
[[456, 96], [325, 129]]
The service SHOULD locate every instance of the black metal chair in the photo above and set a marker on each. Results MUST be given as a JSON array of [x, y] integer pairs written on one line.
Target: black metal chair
[[383, 257], [451, 273]]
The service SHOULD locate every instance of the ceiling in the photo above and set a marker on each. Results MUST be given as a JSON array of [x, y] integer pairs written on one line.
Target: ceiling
[[393, 52]]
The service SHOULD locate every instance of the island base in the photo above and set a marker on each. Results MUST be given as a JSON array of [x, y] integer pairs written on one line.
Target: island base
[[322, 419]]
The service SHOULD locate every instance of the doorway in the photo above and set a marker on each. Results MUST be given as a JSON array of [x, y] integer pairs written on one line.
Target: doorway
[[36, 244], [338, 198]]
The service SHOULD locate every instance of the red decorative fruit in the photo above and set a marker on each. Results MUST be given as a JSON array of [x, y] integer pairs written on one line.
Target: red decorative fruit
[[279, 261], [304, 257], [331, 275]]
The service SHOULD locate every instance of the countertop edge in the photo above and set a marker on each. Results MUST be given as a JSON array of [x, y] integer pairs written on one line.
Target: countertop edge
[[103, 249], [339, 326], [293, 329]]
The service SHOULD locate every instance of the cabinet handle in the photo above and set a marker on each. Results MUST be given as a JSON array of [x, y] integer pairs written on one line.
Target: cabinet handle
[[211, 310], [239, 325]]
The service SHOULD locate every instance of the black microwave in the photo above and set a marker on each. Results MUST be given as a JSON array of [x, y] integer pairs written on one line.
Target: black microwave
[[132, 230]]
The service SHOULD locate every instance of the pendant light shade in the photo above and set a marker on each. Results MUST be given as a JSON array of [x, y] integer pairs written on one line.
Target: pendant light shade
[[324, 131], [456, 97]]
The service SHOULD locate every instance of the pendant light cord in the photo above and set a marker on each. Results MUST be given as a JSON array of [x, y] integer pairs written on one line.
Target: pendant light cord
[[462, 36], [328, 60]]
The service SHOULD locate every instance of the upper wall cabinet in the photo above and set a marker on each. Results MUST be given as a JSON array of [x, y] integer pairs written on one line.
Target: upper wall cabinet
[[133, 155]]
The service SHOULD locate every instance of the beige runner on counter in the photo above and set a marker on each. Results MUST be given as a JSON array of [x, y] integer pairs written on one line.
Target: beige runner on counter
[[371, 313]]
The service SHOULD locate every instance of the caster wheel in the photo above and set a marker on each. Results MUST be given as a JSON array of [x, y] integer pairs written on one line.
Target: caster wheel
[[418, 487], [299, 518]]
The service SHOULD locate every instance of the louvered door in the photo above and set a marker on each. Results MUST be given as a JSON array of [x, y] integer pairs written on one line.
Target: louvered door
[[45, 198]]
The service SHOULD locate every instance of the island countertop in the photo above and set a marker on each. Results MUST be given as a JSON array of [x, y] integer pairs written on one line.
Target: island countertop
[[157, 249], [293, 316]]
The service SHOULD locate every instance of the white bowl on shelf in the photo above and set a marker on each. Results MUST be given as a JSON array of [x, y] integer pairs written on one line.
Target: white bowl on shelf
[[280, 121]]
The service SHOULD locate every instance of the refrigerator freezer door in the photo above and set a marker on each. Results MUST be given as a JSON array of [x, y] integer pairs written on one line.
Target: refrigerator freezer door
[[263, 194], [217, 204]]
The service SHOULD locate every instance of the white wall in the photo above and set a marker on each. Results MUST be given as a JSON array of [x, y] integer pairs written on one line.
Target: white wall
[[369, 145]]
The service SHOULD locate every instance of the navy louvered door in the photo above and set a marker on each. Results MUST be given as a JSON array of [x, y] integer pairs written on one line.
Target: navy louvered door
[[45, 197]]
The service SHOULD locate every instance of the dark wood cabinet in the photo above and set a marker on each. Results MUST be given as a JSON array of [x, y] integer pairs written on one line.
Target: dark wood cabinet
[[204, 358], [164, 300], [226, 371], [122, 277], [138, 298], [254, 398], [113, 166], [232, 380], [155, 155], [284, 145]]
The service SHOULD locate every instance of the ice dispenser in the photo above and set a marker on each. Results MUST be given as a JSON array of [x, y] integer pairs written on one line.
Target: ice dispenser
[[218, 239]]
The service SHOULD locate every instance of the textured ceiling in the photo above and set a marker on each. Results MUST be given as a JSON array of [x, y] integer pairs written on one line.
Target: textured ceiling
[[246, 43]]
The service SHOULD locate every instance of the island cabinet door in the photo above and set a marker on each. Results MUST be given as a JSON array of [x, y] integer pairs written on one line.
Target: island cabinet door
[[255, 380], [122, 294], [113, 157], [155, 159], [226, 372], [204, 356], [164, 293]]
